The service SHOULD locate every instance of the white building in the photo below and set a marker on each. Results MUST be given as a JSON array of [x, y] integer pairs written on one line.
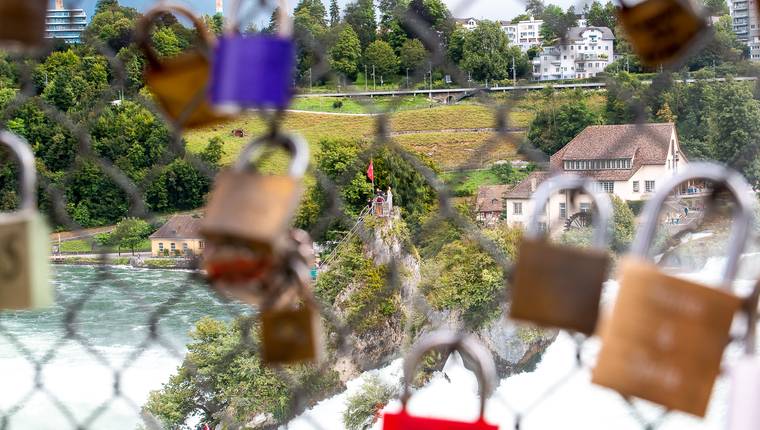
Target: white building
[[585, 52], [524, 34], [628, 161], [66, 24], [744, 14]]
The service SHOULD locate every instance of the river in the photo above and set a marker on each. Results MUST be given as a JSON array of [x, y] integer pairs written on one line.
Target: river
[[114, 319]]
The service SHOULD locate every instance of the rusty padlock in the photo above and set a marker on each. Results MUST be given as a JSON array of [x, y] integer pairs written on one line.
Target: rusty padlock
[[744, 376], [665, 338], [22, 24], [291, 329], [560, 286], [24, 240], [663, 32], [180, 84], [249, 214], [447, 341]]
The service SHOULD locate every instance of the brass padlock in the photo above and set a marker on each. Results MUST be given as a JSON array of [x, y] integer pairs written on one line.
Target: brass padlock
[[560, 286], [24, 240], [665, 338], [180, 84], [663, 32], [473, 353], [744, 374], [22, 24], [291, 329], [249, 214]]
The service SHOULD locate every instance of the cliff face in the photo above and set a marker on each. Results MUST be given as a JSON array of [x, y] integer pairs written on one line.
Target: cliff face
[[386, 317]]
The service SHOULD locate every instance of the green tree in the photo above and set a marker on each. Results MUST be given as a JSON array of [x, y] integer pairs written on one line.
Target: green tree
[[556, 22], [215, 23], [456, 45], [166, 42], [381, 55], [360, 15], [412, 54], [334, 13], [113, 25], [553, 127], [625, 100], [485, 52], [310, 27], [429, 14], [362, 407], [130, 233], [723, 47], [93, 198], [623, 224], [521, 17], [602, 16], [716, 7], [213, 152], [345, 54], [179, 187], [535, 8]]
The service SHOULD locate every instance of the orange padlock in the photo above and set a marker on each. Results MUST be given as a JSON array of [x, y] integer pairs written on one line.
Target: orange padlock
[[180, 84], [665, 339], [446, 341], [560, 286]]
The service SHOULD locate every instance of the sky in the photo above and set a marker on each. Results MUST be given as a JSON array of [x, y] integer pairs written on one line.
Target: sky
[[482, 9]]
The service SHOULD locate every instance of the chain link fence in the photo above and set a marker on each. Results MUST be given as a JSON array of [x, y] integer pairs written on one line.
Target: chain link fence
[[103, 307]]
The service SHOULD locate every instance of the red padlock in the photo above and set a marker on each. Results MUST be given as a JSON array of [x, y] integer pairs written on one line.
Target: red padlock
[[447, 341]]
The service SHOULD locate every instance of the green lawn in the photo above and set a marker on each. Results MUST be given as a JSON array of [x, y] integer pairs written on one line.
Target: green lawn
[[85, 247], [357, 105], [467, 183]]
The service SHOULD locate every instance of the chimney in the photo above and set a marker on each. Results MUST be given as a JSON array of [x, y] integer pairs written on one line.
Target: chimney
[[58, 4], [220, 6], [533, 184]]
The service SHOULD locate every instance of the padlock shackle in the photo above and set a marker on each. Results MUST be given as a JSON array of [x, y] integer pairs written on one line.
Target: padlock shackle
[[555, 184], [293, 143], [142, 34], [284, 22], [743, 218], [25, 157], [467, 346]]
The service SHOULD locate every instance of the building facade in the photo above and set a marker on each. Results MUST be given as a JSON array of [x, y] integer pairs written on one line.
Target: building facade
[[66, 24], [180, 236], [585, 52], [628, 161], [524, 34], [744, 14], [490, 204]]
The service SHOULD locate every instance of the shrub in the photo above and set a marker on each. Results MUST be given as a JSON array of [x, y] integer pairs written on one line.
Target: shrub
[[338, 104], [363, 407]]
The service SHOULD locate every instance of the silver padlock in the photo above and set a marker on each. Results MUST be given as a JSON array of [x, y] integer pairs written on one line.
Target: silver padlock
[[24, 240]]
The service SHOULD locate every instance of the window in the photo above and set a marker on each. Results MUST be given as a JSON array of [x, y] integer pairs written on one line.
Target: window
[[201, 244], [174, 247], [563, 211], [494, 201], [185, 248], [649, 186], [585, 207], [542, 227], [607, 186], [635, 186], [517, 208], [161, 246]]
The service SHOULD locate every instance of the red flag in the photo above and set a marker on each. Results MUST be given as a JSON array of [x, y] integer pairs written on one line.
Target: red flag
[[371, 171]]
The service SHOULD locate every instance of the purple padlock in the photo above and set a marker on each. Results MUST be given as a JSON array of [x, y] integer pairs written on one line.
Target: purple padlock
[[254, 71]]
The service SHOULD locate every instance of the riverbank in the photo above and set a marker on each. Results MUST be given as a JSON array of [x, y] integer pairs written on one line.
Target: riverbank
[[137, 262]]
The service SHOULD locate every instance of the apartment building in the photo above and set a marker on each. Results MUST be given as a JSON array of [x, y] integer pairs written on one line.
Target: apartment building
[[524, 34], [66, 24], [585, 52], [744, 14]]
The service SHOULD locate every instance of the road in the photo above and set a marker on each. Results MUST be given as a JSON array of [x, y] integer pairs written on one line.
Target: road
[[535, 87]]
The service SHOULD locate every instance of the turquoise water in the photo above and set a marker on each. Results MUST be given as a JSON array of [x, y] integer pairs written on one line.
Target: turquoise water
[[111, 312]]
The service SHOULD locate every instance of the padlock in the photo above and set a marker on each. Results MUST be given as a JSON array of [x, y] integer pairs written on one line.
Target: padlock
[[744, 376], [665, 338], [24, 240], [254, 71], [291, 330], [469, 349], [249, 214], [560, 286], [180, 84], [663, 32], [22, 24]]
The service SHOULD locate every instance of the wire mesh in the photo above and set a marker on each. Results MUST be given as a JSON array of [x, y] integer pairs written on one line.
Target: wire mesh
[[80, 311]]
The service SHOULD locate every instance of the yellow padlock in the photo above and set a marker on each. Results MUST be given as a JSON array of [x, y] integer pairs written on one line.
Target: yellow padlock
[[24, 240], [180, 84], [22, 24], [665, 338]]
